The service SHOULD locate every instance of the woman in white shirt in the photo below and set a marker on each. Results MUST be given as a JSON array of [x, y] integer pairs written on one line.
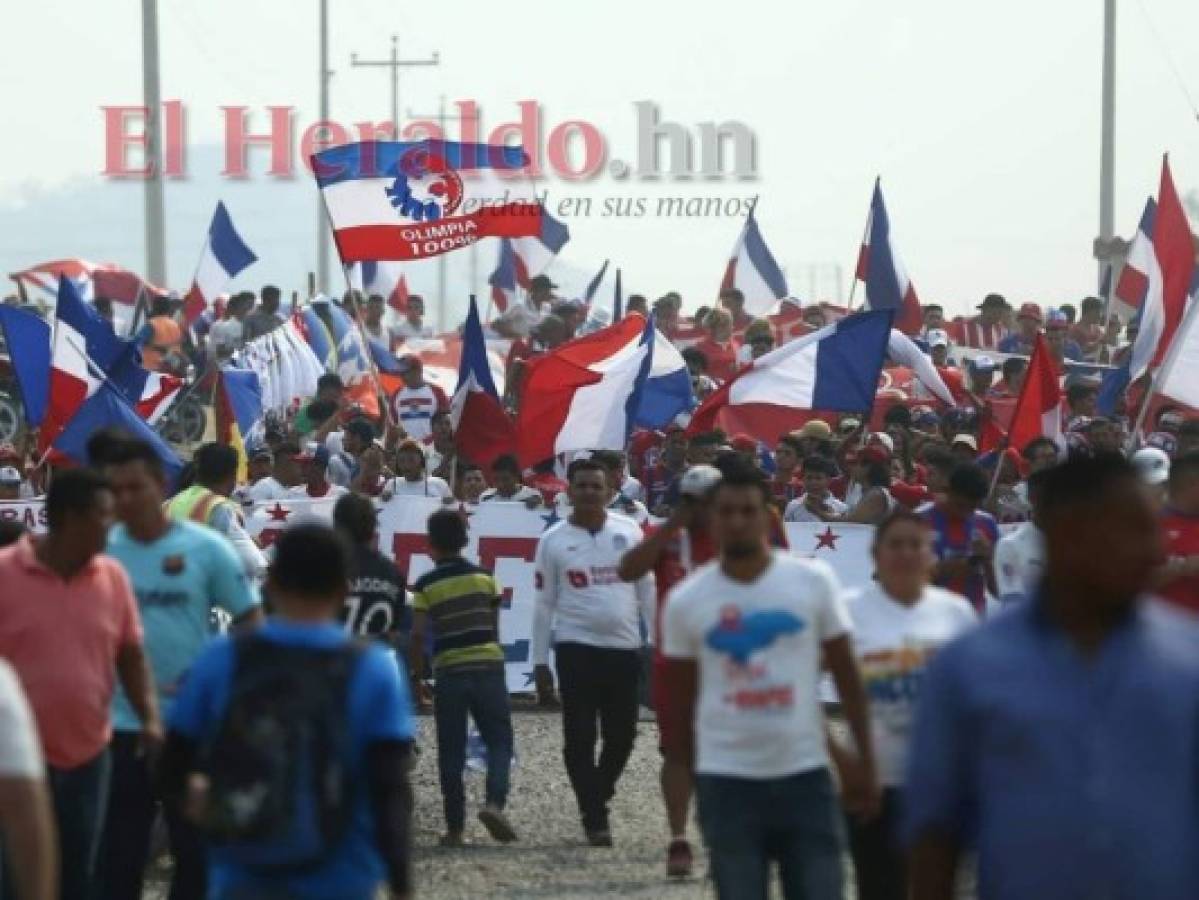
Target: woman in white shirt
[[898, 624]]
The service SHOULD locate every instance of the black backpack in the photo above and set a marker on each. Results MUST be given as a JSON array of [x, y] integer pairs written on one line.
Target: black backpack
[[279, 795]]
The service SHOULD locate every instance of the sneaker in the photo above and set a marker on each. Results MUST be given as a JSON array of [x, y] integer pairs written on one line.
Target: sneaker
[[497, 824], [451, 839], [678, 859], [599, 837]]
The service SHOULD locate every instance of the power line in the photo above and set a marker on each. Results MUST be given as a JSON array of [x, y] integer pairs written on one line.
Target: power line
[[1165, 51]]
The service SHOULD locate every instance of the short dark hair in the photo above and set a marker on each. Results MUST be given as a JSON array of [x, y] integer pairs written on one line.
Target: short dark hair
[[897, 517], [362, 428], [102, 442], [697, 357], [320, 410], [1082, 481], [469, 467], [330, 380], [898, 415], [10, 532], [215, 462], [311, 560], [1189, 428], [72, 491], [940, 459], [819, 465], [735, 472], [447, 531], [585, 465], [970, 482], [119, 453], [506, 463], [1079, 391], [1032, 446], [928, 306], [354, 515], [1184, 468], [271, 293], [1013, 366], [609, 459]]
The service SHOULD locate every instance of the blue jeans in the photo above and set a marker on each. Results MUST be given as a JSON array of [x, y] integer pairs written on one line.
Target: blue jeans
[[483, 693], [793, 820], [80, 798]]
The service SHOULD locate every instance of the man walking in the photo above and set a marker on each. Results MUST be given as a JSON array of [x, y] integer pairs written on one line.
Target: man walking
[[460, 604], [70, 628], [597, 622], [1059, 740], [181, 572], [745, 640], [298, 688]]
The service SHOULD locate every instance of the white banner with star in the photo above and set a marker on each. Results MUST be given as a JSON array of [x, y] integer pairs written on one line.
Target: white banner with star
[[844, 547]]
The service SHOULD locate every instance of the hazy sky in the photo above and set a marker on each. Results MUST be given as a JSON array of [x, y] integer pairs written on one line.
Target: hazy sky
[[983, 120]]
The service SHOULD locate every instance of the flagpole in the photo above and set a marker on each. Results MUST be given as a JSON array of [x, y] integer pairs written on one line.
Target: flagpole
[[853, 284], [366, 345], [1188, 320]]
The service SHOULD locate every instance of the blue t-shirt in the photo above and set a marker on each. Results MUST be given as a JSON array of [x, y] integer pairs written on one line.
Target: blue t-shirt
[[379, 709], [178, 580]]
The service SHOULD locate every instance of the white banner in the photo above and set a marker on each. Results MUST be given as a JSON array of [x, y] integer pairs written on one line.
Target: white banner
[[30, 513]]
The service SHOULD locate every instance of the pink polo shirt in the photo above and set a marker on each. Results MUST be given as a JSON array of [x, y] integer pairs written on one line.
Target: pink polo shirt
[[63, 637]]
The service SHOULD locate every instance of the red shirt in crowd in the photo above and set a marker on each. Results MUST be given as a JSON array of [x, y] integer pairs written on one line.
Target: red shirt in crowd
[[1182, 539], [974, 333], [722, 358]]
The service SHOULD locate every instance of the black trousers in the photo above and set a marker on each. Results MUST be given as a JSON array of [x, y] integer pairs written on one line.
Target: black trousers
[[599, 688], [878, 859], [126, 845]]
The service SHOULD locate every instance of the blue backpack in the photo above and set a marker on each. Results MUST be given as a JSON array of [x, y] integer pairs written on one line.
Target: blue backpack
[[279, 796]]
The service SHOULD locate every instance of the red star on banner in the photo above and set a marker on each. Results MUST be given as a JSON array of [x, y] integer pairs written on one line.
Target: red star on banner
[[279, 513], [828, 539]]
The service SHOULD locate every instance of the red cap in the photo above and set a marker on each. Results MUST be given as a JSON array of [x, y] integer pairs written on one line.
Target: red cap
[[744, 443], [874, 453], [1031, 311]]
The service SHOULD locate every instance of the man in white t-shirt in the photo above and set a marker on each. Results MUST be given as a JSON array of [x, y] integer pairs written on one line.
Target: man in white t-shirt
[[413, 324], [413, 480], [26, 817], [505, 476], [744, 639], [416, 402], [316, 484], [597, 622], [285, 475]]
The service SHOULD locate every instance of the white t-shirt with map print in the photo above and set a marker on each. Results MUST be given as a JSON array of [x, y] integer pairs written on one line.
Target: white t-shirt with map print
[[894, 644], [758, 649]]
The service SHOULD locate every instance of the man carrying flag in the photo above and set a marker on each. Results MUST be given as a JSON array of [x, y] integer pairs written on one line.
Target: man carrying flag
[[483, 429]]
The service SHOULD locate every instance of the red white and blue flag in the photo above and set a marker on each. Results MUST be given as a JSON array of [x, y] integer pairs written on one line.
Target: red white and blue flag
[[585, 394], [399, 201], [879, 266], [534, 254], [484, 430], [505, 279], [1168, 279], [91, 280], [224, 255], [84, 353], [834, 369], [1141, 273], [752, 270], [1038, 411]]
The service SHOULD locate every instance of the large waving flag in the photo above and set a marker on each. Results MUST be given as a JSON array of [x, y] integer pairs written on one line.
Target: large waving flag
[[594, 283], [834, 369], [584, 395], [752, 270], [1178, 372], [481, 425], [667, 390], [504, 279], [91, 280], [534, 254], [398, 201], [903, 350], [238, 407], [1038, 409], [383, 278], [107, 408], [85, 352], [225, 255], [314, 330], [353, 356], [28, 340], [1174, 255], [879, 266]]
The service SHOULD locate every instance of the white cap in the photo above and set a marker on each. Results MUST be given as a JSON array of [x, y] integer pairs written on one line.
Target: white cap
[[885, 439], [937, 337], [1152, 465], [9, 475], [699, 481]]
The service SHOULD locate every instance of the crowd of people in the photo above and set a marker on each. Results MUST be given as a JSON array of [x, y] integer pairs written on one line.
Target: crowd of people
[[154, 658]]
